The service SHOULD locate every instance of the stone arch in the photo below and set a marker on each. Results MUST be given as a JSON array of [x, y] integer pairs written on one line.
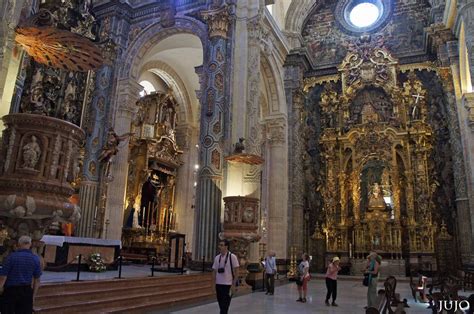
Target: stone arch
[[152, 35], [273, 87], [172, 79], [297, 13]]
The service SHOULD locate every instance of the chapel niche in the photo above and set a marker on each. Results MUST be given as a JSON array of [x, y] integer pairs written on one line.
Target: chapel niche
[[154, 160]]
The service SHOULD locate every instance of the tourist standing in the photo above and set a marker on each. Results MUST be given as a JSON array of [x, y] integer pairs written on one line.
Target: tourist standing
[[331, 280], [270, 271], [373, 269], [303, 278], [225, 269], [20, 278]]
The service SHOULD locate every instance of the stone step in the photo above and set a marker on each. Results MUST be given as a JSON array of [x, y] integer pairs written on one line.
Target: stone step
[[141, 293], [55, 288], [73, 297], [168, 303]]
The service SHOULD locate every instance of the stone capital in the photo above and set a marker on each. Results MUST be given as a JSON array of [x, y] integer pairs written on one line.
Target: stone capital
[[217, 21], [128, 95], [276, 130], [468, 103]]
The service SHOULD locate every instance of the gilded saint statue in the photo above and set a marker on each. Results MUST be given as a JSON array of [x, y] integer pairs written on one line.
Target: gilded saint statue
[[31, 154], [376, 197]]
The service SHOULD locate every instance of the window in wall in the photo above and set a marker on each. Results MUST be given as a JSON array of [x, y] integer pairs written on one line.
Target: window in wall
[[148, 88]]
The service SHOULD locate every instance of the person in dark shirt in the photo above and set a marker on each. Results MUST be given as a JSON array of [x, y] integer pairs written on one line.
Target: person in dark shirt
[[20, 278]]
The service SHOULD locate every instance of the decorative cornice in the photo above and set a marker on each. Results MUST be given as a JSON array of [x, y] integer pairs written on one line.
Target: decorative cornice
[[310, 82], [218, 22]]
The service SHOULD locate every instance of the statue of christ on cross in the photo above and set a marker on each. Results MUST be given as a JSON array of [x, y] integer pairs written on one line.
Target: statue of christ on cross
[[415, 111]]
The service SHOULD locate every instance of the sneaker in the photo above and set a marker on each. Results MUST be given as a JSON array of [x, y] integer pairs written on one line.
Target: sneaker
[[327, 303], [333, 304], [299, 300], [266, 292], [304, 300], [271, 293]]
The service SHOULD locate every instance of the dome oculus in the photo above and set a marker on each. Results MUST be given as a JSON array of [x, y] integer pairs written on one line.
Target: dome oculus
[[364, 14]]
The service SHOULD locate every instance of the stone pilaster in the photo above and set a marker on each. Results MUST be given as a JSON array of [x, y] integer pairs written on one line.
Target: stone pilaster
[[128, 94], [186, 137], [214, 121], [277, 169], [466, 12], [461, 140], [88, 200], [295, 101]]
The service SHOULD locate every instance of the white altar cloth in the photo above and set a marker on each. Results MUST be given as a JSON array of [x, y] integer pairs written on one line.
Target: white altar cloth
[[59, 241]]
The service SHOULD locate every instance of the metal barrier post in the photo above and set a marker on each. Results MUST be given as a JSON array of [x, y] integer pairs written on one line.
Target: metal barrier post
[[153, 266], [120, 267], [79, 267]]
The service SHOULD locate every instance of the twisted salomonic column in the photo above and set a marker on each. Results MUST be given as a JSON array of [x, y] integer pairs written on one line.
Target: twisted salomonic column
[[214, 119]]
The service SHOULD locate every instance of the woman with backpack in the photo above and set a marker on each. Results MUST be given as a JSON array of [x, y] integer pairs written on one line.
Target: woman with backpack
[[303, 278]]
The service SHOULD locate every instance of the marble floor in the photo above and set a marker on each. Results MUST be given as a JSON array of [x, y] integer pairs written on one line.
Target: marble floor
[[128, 271], [351, 299]]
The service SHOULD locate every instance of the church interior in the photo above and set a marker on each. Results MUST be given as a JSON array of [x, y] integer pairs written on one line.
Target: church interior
[[142, 132]]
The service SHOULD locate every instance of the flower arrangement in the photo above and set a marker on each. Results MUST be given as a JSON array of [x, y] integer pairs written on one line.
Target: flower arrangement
[[96, 263]]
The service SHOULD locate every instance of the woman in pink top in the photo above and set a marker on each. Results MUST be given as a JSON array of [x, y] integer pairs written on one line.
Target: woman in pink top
[[331, 280]]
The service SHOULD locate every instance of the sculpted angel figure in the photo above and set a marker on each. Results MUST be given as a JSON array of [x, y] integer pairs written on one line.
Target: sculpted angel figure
[[111, 146]]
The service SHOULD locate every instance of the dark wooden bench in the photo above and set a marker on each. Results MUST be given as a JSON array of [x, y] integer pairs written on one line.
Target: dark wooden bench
[[134, 257], [380, 304], [448, 290], [468, 281], [388, 298]]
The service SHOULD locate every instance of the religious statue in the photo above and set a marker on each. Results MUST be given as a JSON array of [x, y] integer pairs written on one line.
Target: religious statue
[[31, 154], [37, 100], [376, 197], [111, 146], [136, 212], [167, 121], [239, 146], [151, 191]]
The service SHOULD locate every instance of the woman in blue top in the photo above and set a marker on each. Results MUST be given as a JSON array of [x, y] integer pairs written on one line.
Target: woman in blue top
[[373, 269]]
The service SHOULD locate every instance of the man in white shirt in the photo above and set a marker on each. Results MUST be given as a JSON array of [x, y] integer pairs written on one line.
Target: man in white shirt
[[225, 269], [270, 271]]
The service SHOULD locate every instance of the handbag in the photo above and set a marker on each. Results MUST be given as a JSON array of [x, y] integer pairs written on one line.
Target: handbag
[[299, 282], [366, 280]]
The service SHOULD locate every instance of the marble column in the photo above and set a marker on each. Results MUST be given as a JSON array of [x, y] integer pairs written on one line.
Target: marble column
[[128, 95], [214, 121], [277, 163]]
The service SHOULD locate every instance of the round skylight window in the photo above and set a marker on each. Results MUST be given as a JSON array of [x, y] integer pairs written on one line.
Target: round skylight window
[[364, 14]]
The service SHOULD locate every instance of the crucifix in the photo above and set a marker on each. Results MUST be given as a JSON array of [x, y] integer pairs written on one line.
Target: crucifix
[[417, 98]]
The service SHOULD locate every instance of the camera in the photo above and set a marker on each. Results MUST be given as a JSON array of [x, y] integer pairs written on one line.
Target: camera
[[220, 270]]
